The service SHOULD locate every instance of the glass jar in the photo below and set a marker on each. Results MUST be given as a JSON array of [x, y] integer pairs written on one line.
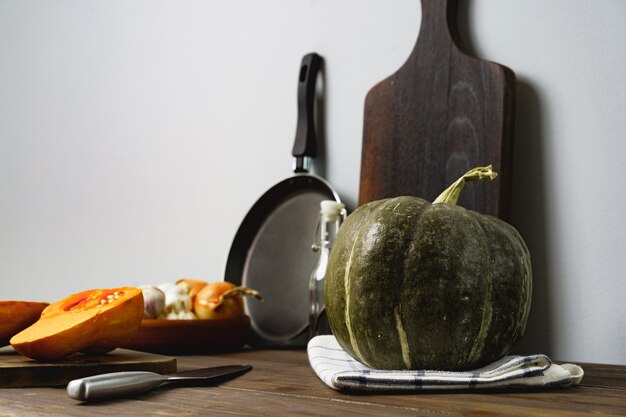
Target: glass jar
[[330, 218]]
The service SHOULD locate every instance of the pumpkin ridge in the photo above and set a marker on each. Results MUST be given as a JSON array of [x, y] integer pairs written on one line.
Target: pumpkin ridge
[[509, 301], [487, 316], [346, 283], [526, 262], [334, 286], [404, 343], [392, 336], [416, 294], [347, 286], [520, 249]]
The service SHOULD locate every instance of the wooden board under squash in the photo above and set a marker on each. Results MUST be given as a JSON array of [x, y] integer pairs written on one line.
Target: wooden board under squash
[[442, 113], [17, 371]]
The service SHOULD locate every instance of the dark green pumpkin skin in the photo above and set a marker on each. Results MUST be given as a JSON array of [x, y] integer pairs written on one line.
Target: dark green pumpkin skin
[[414, 285]]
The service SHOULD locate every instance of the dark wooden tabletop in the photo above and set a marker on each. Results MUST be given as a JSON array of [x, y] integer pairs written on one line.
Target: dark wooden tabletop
[[282, 383]]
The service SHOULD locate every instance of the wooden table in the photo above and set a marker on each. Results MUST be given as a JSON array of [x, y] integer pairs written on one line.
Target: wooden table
[[282, 383]]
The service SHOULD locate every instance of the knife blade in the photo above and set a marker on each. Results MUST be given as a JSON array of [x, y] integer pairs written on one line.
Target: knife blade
[[124, 384]]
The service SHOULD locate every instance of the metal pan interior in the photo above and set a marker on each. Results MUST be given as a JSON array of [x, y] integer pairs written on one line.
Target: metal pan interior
[[272, 254]]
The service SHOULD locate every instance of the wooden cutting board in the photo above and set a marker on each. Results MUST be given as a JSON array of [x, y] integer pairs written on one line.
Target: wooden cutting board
[[18, 371], [441, 114]]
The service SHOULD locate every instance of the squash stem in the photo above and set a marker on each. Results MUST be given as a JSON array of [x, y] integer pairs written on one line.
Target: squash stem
[[451, 194]]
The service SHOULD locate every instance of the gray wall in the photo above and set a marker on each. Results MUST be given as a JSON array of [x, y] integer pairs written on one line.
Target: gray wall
[[135, 135]]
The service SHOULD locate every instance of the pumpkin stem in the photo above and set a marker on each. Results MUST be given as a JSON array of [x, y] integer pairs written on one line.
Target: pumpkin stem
[[451, 194]]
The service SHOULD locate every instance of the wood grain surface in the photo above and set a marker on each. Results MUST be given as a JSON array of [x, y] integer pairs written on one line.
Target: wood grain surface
[[19, 371], [441, 114], [282, 383]]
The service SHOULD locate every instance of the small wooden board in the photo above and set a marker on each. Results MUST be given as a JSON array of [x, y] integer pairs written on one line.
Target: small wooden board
[[17, 371]]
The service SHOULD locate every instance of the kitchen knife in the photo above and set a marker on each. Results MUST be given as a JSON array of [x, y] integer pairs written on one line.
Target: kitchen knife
[[124, 384]]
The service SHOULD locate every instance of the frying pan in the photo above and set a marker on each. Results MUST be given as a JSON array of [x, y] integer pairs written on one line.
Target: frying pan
[[271, 251]]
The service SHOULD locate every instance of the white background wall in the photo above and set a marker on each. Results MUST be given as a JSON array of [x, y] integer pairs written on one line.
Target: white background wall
[[135, 135]]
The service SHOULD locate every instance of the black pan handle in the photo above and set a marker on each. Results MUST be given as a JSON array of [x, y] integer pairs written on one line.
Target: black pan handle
[[305, 144]]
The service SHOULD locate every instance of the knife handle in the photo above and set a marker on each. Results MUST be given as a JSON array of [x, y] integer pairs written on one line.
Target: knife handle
[[113, 385]]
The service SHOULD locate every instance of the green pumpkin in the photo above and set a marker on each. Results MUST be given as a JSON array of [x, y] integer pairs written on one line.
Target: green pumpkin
[[414, 285]]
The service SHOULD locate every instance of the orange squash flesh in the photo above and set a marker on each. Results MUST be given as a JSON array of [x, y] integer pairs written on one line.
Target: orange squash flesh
[[96, 321], [15, 316]]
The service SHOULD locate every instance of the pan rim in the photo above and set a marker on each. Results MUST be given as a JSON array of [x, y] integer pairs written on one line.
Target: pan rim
[[238, 254]]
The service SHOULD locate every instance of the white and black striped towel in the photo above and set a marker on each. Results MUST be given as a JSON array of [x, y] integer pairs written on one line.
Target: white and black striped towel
[[340, 371]]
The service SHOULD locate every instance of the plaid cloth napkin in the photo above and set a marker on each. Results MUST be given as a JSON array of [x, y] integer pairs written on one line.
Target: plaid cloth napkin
[[340, 371]]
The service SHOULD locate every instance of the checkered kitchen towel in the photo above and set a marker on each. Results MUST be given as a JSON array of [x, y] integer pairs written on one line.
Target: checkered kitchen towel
[[340, 371]]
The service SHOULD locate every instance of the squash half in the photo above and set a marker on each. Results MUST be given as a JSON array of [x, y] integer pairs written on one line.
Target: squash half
[[15, 316], [92, 321]]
